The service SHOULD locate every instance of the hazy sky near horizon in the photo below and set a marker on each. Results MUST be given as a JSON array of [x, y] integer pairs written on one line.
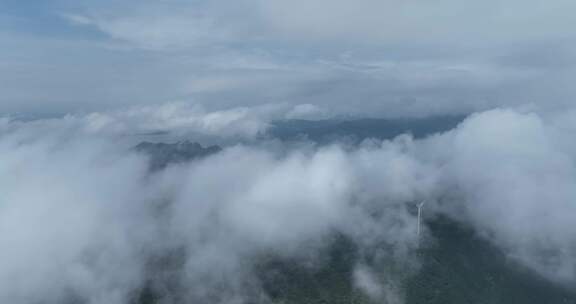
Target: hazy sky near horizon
[[376, 57]]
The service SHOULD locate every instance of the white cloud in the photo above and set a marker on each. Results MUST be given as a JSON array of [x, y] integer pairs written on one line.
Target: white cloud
[[72, 221], [172, 118], [509, 175], [517, 179], [156, 31], [307, 111], [223, 211]]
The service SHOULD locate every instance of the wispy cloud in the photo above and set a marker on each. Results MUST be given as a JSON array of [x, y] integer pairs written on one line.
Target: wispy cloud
[[412, 57]]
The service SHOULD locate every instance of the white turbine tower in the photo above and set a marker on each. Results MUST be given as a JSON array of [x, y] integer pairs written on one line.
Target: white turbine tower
[[420, 216]]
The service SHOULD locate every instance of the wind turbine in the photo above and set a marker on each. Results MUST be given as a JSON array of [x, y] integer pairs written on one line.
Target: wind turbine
[[420, 216]]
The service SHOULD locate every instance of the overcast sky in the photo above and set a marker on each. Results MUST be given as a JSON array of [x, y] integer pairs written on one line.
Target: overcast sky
[[362, 57]]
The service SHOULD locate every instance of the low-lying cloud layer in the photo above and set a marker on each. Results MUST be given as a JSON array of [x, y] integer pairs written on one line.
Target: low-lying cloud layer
[[82, 219], [171, 119]]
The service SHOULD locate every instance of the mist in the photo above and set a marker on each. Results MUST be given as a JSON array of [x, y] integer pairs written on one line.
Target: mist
[[84, 220]]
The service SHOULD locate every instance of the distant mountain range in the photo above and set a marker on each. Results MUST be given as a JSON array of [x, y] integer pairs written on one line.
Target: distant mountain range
[[162, 154], [319, 131], [325, 131]]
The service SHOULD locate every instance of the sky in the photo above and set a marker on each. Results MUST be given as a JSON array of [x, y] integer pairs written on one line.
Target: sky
[[359, 58]]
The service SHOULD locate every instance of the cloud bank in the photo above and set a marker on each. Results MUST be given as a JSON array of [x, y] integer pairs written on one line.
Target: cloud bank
[[83, 219], [173, 119]]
